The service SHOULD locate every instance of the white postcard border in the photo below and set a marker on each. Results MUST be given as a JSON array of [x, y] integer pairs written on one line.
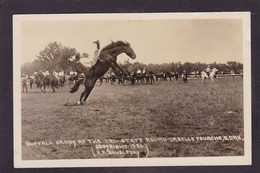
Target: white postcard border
[[180, 161]]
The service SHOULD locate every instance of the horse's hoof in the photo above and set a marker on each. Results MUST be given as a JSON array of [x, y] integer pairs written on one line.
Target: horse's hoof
[[79, 103]]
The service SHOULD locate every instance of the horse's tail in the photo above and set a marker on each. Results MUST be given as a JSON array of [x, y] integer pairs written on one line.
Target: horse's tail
[[75, 87]]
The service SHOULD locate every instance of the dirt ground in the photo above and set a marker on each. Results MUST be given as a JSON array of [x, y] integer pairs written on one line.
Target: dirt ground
[[166, 119]]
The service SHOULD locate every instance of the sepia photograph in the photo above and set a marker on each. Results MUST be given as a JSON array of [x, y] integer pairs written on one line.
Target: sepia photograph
[[132, 89]]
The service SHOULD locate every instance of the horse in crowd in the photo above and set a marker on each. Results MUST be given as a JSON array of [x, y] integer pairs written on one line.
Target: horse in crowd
[[139, 77], [149, 77], [42, 81], [106, 77], [124, 78], [169, 75], [54, 82], [72, 78], [134, 77], [163, 76], [61, 81], [211, 75], [113, 78], [107, 58]]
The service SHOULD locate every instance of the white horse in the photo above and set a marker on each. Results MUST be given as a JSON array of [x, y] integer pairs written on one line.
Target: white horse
[[204, 75]]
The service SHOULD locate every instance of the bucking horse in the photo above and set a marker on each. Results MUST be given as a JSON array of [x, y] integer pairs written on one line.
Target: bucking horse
[[106, 59]]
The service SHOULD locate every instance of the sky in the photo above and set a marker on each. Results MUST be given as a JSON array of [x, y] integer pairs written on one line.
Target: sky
[[154, 41]]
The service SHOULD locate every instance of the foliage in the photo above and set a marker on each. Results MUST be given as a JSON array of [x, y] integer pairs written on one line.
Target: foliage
[[178, 67], [53, 57]]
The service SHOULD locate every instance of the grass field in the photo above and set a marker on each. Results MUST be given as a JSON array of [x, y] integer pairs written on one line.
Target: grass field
[[171, 112]]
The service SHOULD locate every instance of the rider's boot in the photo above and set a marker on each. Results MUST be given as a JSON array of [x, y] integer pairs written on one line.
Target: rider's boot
[[98, 44]]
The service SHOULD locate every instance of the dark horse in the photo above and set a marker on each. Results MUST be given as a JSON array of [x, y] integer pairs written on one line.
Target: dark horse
[[149, 77], [43, 81], [107, 58], [54, 82]]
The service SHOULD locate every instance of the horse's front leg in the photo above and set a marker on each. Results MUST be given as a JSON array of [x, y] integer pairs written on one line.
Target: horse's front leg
[[115, 69], [114, 66], [118, 67], [212, 79]]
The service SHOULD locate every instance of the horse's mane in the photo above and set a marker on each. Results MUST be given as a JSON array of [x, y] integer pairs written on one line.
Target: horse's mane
[[115, 44]]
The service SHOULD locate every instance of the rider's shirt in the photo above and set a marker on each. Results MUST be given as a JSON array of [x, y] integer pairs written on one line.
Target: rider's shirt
[[208, 70], [138, 72], [87, 61]]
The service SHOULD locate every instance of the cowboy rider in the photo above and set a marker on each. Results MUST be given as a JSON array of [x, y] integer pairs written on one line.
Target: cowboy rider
[[208, 70], [84, 58], [139, 71]]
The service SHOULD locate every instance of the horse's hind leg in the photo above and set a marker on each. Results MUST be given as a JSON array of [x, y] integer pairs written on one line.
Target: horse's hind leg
[[84, 94], [40, 86], [87, 94], [89, 85]]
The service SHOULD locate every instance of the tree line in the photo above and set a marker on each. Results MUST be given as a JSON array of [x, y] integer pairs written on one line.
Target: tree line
[[55, 56], [225, 68]]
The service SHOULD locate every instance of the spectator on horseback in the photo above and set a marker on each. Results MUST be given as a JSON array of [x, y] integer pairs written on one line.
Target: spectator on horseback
[[208, 70], [138, 71], [36, 73], [55, 74], [71, 73], [46, 73], [61, 73], [41, 72], [144, 70], [24, 83]]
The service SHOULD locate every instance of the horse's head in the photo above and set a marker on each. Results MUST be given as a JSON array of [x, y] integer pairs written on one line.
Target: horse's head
[[116, 48], [214, 69], [129, 51]]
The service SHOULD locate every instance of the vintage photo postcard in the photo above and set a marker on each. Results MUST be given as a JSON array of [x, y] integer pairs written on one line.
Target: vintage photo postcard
[[150, 89]]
